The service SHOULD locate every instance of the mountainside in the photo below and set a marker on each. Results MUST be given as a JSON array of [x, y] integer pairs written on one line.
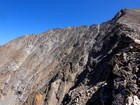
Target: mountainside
[[85, 65]]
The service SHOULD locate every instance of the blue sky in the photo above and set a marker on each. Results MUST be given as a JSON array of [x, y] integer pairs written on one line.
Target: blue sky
[[20, 17]]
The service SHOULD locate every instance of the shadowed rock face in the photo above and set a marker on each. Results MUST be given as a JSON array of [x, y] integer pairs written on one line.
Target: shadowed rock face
[[86, 65]]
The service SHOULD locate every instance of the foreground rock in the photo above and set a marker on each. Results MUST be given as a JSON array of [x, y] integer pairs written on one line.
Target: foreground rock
[[87, 65]]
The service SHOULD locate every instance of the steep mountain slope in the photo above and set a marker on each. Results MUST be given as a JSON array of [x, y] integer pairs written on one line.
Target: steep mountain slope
[[87, 65]]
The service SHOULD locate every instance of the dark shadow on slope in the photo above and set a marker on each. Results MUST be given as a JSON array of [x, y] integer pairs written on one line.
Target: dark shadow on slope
[[102, 71]]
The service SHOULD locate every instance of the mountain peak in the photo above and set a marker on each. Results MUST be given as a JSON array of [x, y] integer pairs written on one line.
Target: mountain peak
[[84, 65]]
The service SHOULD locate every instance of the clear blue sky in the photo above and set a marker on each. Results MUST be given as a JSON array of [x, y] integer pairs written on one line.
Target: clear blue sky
[[19, 17]]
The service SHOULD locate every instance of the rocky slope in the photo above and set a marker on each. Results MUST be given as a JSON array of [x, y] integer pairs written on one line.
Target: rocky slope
[[86, 65]]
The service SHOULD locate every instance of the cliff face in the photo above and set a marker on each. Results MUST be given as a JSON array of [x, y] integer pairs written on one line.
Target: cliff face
[[87, 65]]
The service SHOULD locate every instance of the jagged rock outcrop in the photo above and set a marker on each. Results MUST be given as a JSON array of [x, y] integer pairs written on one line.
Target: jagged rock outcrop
[[86, 65]]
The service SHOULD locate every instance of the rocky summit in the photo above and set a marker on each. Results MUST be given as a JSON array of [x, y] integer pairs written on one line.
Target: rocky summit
[[85, 65]]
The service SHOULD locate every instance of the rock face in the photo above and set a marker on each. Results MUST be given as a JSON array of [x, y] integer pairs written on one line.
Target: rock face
[[86, 65]]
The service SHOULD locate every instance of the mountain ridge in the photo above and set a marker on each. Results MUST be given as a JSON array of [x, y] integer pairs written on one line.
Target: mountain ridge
[[85, 65]]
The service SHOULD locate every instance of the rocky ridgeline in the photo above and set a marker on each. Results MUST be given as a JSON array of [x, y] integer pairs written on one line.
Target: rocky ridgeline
[[86, 65]]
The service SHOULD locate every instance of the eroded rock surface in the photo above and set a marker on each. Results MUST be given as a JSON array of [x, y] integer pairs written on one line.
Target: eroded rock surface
[[86, 65]]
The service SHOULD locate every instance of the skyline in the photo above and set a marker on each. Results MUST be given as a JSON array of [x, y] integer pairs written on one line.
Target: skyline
[[21, 17]]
